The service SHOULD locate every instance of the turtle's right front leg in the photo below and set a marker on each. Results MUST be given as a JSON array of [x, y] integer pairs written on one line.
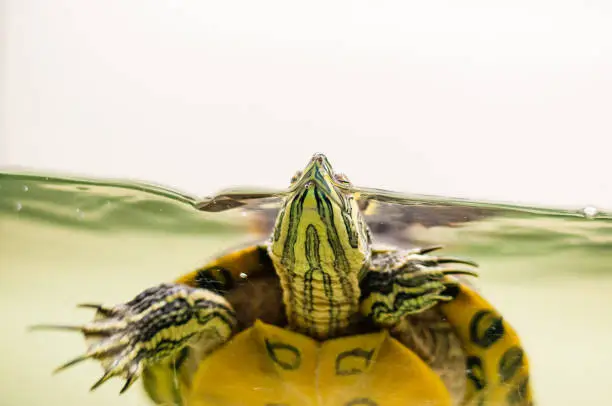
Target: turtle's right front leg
[[155, 325]]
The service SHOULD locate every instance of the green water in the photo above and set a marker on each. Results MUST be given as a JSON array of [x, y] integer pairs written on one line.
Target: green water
[[66, 241]]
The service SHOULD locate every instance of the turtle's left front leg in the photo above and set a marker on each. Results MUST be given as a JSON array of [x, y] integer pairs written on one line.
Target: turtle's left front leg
[[401, 283]]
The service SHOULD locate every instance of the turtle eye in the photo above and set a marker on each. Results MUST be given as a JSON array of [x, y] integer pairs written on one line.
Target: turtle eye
[[342, 179], [296, 176]]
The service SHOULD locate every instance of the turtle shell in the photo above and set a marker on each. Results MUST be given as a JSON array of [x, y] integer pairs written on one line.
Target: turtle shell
[[497, 366], [268, 365]]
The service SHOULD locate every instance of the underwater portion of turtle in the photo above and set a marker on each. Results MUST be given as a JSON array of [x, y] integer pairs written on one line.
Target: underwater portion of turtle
[[314, 315]]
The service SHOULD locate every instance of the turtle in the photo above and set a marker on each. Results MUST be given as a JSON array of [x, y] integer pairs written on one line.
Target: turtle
[[315, 314]]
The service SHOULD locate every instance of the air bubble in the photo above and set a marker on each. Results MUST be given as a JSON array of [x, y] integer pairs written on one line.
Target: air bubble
[[80, 214], [25, 188], [590, 212], [18, 206], [243, 275]]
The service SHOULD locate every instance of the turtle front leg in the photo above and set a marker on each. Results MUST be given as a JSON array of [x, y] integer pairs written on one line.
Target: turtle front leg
[[155, 325], [401, 283]]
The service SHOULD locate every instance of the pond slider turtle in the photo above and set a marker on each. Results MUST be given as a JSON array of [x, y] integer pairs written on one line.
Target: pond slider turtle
[[314, 315]]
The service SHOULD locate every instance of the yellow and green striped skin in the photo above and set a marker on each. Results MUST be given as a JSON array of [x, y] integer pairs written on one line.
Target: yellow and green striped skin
[[319, 247], [343, 306]]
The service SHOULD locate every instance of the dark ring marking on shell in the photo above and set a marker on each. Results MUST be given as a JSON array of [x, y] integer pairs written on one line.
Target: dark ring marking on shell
[[273, 351], [475, 372], [361, 402], [486, 328], [510, 363], [346, 356], [518, 393]]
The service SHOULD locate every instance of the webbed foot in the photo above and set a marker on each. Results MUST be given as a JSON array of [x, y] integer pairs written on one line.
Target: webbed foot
[[400, 283], [156, 324]]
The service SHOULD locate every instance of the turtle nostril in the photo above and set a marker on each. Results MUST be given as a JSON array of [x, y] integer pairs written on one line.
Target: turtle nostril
[[319, 157]]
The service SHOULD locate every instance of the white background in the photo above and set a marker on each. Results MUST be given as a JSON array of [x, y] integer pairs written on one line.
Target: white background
[[505, 100]]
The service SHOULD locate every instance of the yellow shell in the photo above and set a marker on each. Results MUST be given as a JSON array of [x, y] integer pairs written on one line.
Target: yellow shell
[[246, 372], [268, 365]]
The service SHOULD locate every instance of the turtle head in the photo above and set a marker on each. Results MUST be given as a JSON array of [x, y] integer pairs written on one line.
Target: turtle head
[[320, 227]]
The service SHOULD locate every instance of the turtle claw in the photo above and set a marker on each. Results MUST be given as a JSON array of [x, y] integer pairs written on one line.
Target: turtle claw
[[113, 338], [55, 327], [427, 250], [71, 363], [453, 260], [452, 271], [115, 349], [105, 377], [129, 381], [103, 310], [131, 376]]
